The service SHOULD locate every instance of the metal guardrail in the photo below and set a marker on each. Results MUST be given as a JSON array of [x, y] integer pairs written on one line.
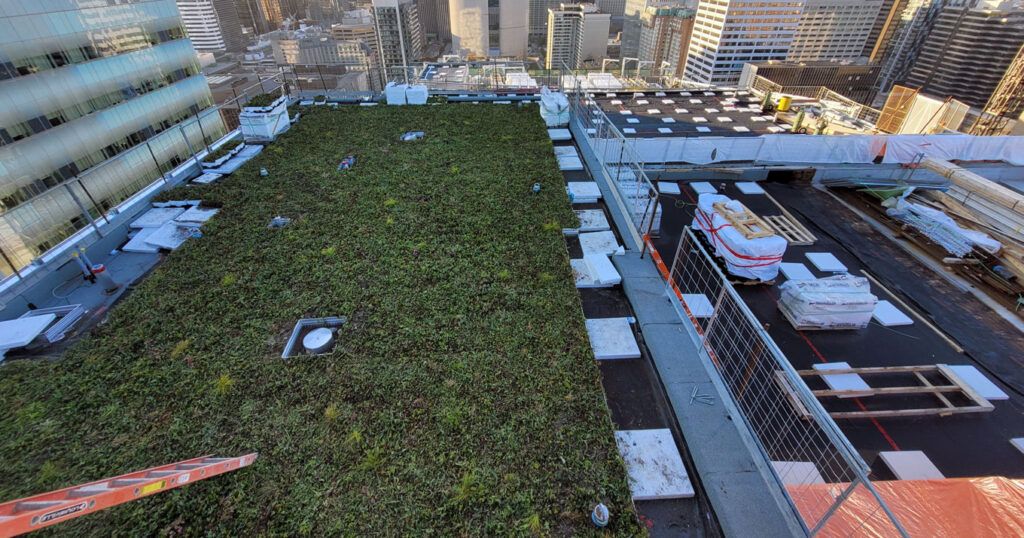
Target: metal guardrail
[[813, 462], [620, 165]]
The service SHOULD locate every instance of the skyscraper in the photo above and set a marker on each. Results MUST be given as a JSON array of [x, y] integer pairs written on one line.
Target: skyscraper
[[538, 20], [664, 37], [730, 33], [883, 28], [487, 28], [399, 36], [633, 12], [967, 52], [434, 20], [212, 25], [576, 33], [79, 87], [833, 30], [908, 34]]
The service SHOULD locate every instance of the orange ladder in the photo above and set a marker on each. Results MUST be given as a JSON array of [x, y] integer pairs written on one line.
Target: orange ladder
[[38, 511]]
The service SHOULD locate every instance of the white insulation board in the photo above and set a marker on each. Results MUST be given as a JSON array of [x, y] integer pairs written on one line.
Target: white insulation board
[[599, 243], [826, 261], [668, 187], [888, 315], [852, 383], [749, 187], [796, 271], [583, 192], [977, 381], [911, 465], [592, 220], [655, 469], [612, 338]]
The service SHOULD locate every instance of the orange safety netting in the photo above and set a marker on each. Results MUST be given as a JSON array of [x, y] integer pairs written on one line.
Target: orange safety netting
[[954, 507]]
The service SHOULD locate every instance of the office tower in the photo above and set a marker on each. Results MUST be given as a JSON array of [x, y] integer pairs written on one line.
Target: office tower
[[730, 33], [82, 86], [967, 52], [616, 9], [912, 26], [631, 22], [883, 28], [664, 38], [314, 47], [833, 30], [434, 20], [577, 33], [261, 16], [399, 36], [212, 25], [357, 25], [855, 81], [488, 28], [538, 17], [1005, 109]]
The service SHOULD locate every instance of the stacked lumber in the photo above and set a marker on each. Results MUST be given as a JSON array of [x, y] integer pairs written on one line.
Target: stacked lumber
[[988, 206]]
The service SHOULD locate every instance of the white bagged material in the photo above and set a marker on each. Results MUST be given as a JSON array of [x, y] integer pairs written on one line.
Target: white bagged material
[[941, 228], [395, 93], [554, 108], [758, 258], [836, 302], [416, 94]]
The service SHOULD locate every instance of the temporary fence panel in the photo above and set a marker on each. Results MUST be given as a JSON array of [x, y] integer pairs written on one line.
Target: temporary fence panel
[[620, 165], [784, 417]]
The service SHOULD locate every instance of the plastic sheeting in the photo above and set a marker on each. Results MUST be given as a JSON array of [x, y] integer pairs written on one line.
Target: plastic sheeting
[[786, 148], [847, 149], [837, 302], [395, 93], [941, 228], [758, 258], [953, 507], [554, 108]]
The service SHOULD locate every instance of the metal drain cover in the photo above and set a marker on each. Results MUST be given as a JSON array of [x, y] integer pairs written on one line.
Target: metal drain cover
[[318, 340]]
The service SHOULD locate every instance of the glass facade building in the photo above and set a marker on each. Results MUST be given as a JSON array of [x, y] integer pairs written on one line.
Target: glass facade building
[[93, 96]]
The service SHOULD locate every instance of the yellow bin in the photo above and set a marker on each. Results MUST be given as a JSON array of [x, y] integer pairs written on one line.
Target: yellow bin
[[784, 102]]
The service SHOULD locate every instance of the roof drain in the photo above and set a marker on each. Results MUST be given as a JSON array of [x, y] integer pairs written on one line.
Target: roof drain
[[319, 336]]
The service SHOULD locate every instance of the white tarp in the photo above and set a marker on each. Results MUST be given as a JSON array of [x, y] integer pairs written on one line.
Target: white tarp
[[906, 148], [416, 94], [782, 148], [837, 302], [554, 108], [758, 258], [395, 93], [940, 228], [791, 148]]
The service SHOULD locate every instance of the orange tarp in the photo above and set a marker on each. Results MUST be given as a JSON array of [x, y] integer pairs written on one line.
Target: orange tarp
[[954, 507]]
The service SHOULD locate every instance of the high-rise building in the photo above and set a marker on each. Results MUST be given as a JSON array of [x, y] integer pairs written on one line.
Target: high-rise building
[[434, 20], [84, 83], [212, 25], [833, 30], [577, 33], [664, 38], [854, 81], [908, 34], [399, 35], [261, 16], [730, 33], [319, 48], [967, 52], [489, 28], [616, 9], [357, 25], [538, 17], [882, 29]]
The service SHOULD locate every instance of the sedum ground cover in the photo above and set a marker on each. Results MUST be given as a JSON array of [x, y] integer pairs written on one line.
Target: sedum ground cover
[[462, 399]]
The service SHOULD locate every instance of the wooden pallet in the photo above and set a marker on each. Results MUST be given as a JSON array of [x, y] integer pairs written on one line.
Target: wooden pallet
[[793, 231], [953, 385], [745, 222]]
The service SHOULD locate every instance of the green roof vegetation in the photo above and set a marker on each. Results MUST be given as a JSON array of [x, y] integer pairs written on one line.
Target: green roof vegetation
[[462, 398]]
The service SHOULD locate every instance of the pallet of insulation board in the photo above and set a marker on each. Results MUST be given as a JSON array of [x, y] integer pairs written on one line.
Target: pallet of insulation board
[[841, 302]]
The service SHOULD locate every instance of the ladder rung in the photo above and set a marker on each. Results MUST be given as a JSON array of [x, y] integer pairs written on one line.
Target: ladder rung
[[188, 466], [121, 482], [160, 474], [86, 491], [28, 506], [209, 461]]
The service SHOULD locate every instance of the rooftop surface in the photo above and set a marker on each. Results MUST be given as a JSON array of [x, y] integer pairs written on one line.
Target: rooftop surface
[[692, 113], [462, 394], [950, 327]]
